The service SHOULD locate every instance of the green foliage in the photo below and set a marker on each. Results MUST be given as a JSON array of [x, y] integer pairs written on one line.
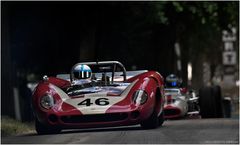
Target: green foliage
[[10, 126], [217, 14], [200, 22], [197, 26], [211, 13], [159, 9], [178, 6]]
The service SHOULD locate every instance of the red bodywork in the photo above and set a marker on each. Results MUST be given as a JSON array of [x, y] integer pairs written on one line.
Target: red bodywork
[[175, 112], [125, 112], [173, 109]]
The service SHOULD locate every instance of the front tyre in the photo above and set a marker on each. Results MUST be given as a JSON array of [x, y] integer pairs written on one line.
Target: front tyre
[[218, 98], [161, 119], [151, 122], [207, 103], [45, 129], [210, 102]]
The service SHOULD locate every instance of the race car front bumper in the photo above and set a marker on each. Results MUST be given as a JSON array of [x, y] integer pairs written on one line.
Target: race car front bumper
[[75, 119], [172, 112]]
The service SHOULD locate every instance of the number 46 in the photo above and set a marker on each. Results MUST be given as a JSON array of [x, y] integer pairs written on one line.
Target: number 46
[[99, 101]]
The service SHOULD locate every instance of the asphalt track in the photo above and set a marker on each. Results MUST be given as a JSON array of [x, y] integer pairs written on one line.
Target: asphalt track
[[194, 131]]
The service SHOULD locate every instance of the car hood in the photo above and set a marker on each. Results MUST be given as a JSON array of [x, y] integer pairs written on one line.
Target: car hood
[[110, 90], [88, 103]]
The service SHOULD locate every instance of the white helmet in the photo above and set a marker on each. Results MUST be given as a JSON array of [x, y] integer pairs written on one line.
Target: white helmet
[[82, 72]]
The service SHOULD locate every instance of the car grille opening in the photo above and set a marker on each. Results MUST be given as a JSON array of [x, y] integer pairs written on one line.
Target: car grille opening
[[170, 112], [94, 118], [53, 118], [135, 114]]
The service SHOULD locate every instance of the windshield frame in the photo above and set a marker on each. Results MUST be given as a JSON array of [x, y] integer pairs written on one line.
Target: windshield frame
[[112, 64]]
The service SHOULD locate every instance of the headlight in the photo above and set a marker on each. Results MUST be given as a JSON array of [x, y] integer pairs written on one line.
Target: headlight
[[47, 101], [140, 97]]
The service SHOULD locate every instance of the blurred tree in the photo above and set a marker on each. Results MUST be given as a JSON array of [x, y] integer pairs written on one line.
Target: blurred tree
[[197, 26], [156, 26]]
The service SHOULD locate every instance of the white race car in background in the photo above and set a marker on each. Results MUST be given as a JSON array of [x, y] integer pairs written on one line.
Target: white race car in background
[[179, 104]]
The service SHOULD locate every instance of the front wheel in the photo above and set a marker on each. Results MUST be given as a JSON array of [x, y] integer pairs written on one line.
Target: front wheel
[[161, 119], [210, 102], [218, 98], [45, 129], [207, 103], [151, 122]]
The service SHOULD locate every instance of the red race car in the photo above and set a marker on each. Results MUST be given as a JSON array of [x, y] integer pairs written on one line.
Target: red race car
[[98, 94]]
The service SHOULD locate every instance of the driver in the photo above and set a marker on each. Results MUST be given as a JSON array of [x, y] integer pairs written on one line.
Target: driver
[[82, 74], [172, 81]]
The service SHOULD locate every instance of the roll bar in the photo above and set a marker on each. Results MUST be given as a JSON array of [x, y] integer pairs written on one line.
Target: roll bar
[[114, 63]]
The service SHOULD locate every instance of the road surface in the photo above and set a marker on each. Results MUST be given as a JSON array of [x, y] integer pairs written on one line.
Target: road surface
[[194, 131]]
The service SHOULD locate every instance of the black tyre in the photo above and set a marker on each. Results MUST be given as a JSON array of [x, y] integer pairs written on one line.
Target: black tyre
[[227, 108], [45, 129], [207, 103], [151, 122], [218, 101], [210, 102], [161, 119]]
